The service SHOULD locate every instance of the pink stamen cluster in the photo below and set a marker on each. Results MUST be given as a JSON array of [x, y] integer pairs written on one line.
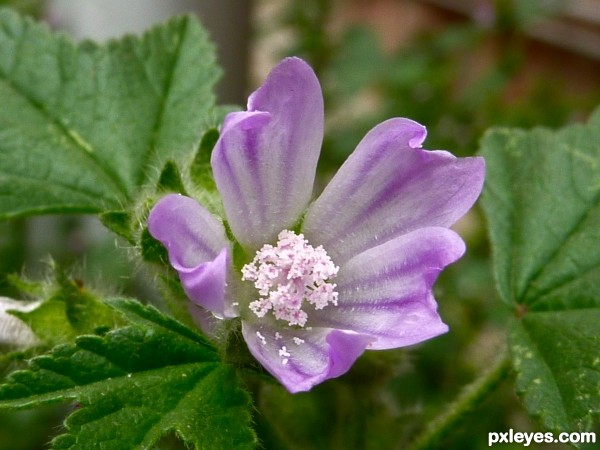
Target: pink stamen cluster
[[288, 275]]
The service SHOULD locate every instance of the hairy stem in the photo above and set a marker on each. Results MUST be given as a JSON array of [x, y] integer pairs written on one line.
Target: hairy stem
[[471, 396]]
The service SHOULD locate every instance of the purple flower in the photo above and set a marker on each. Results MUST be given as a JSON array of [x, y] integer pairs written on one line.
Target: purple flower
[[316, 284]]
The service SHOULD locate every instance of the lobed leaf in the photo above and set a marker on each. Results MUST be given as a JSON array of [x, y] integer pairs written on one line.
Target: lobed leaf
[[542, 202], [84, 127], [136, 384]]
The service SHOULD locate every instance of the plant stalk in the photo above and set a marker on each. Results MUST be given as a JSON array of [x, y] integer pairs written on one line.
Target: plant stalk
[[471, 396]]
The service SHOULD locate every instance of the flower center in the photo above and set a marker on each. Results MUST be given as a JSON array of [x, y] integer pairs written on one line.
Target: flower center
[[290, 275]]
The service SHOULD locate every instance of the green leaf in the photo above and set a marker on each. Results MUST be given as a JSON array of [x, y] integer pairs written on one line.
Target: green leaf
[[84, 127], [136, 384], [555, 354], [70, 310], [542, 202]]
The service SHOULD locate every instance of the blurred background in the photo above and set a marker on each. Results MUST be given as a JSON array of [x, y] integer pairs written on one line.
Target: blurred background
[[458, 67]]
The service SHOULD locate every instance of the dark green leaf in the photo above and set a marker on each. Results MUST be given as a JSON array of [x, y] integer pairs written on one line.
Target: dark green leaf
[[556, 356], [136, 384], [542, 201], [83, 128]]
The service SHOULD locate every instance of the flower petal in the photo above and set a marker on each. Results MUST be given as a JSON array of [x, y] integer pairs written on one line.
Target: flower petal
[[205, 284], [301, 359], [198, 250], [385, 292], [265, 160], [389, 187]]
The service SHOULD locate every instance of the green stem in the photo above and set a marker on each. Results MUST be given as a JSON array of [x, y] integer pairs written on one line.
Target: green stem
[[467, 400]]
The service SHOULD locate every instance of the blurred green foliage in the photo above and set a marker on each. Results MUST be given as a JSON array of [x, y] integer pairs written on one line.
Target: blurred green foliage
[[431, 79], [31, 7]]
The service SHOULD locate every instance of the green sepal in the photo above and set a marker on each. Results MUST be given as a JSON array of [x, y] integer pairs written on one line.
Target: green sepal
[[170, 180], [152, 250], [118, 222], [200, 169]]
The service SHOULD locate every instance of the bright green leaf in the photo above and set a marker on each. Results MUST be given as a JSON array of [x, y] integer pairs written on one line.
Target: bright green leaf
[[542, 202], [83, 128], [70, 310], [136, 384]]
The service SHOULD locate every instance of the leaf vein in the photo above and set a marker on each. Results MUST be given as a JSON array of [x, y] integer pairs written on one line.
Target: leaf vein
[[67, 133], [581, 220], [78, 189], [157, 126]]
